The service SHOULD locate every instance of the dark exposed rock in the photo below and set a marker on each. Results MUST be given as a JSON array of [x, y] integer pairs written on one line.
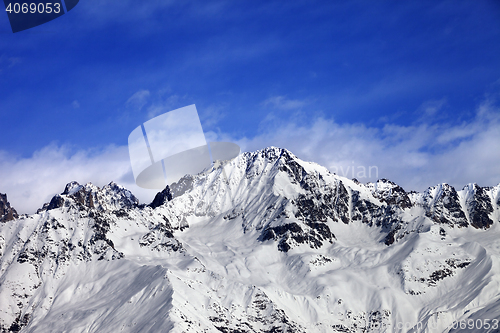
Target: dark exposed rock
[[282, 233], [289, 233], [7, 213], [456, 263], [444, 206], [185, 184], [83, 197], [19, 323], [121, 213], [119, 197], [390, 193], [161, 198], [70, 187], [72, 190], [438, 275], [390, 238], [56, 202], [479, 207], [292, 168], [318, 205], [160, 238], [363, 210], [263, 316]]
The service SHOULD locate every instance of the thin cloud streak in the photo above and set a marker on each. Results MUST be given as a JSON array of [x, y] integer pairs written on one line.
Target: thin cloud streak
[[283, 103]]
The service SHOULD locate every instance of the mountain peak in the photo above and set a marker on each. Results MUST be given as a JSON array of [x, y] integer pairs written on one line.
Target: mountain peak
[[390, 193], [89, 196], [273, 153], [71, 188]]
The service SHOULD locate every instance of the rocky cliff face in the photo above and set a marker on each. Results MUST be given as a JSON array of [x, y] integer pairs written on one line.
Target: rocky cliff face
[[7, 213], [279, 245]]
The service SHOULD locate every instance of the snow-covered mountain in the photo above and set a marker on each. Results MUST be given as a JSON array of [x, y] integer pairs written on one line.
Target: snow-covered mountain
[[279, 245]]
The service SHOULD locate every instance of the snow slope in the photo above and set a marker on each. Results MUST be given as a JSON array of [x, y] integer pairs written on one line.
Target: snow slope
[[280, 245]]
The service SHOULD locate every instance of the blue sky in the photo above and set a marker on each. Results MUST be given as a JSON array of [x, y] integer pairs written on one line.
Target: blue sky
[[405, 85]]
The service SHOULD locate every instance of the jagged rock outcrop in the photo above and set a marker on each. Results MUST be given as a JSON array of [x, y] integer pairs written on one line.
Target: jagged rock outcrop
[[161, 198], [390, 193], [479, 206], [472, 206], [443, 206], [7, 213]]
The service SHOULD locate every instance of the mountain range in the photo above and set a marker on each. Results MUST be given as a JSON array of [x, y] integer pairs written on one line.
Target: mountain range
[[263, 243]]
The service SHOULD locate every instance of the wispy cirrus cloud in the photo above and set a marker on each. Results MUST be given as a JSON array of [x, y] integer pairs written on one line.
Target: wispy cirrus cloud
[[156, 102], [138, 99], [283, 103], [7, 62], [431, 107], [165, 104]]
